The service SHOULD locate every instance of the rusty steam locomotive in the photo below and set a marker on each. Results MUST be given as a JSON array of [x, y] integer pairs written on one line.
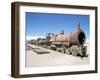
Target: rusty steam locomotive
[[72, 43]]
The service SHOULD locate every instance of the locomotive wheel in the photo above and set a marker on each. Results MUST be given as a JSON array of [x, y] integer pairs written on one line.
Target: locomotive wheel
[[74, 50], [68, 51]]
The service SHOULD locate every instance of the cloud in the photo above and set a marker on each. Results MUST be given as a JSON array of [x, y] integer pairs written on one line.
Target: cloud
[[33, 37]]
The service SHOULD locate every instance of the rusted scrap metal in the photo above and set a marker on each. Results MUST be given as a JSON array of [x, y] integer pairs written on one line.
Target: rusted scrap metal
[[39, 51]]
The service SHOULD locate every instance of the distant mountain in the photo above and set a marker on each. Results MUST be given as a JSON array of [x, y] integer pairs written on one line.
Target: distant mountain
[[33, 37]]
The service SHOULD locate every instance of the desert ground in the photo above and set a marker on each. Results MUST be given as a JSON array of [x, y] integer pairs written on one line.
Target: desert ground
[[53, 58]]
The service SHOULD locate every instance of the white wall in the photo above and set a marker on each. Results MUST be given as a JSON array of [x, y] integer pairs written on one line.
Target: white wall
[[5, 40]]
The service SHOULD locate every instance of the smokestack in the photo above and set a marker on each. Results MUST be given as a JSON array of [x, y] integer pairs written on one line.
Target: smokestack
[[78, 27]]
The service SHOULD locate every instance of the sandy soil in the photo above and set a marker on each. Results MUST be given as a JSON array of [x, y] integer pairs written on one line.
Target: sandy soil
[[53, 58]]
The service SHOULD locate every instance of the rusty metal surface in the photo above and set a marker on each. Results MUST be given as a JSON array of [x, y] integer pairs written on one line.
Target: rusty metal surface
[[72, 38]]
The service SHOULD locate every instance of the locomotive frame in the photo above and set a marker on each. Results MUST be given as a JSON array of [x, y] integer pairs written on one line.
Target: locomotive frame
[[16, 33]]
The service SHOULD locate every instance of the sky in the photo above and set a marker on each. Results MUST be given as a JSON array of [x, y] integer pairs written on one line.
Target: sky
[[39, 24]]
